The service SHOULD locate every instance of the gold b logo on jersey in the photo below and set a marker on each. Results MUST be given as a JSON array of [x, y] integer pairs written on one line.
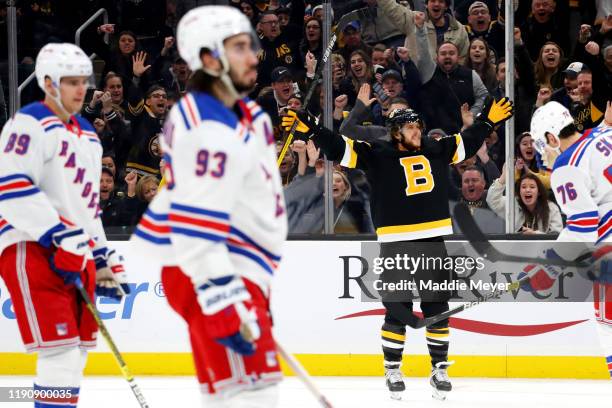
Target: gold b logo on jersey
[[418, 175]]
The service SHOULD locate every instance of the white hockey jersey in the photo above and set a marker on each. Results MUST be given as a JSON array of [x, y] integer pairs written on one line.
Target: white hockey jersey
[[49, 176], [582, 183], [222, 210]]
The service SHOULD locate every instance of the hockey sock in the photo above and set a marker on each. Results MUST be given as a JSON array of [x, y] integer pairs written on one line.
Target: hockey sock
[[437, 343], [53, 397], [392, 338], [58, 377]]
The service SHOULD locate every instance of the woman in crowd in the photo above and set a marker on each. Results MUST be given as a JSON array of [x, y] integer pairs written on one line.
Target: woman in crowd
[[305, 205], [248, 9], [548, 67], [534, 213], [121, 60], [359, 73], [526, 161], [479, 59], [139, 194]]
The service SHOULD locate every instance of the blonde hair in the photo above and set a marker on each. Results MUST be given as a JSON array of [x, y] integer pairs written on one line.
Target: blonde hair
[[142, 184], [345, 179]]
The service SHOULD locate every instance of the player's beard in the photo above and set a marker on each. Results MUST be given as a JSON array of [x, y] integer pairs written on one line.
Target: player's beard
[[243, 86], [409, 144]]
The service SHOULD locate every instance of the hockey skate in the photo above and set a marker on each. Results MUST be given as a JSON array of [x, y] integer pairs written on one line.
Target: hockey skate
[[395, 382], [439, 380]]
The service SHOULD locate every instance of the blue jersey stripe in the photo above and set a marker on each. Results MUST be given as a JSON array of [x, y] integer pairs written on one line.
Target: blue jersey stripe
[[156, 217], [54, 126], [258, 114], [604, 219], [18, 194], [604, 236], [588, 214], [5, 229], [581, 229], [236, 231], [202, 211], [197, 234], [584, 149], [148, 237], [240, 251], [14, 177]]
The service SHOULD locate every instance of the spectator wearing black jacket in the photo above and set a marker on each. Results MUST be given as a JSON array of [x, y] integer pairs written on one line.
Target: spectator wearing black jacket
[[593, 88], [291, 19], [111, 201], [545, 24], [107, 110], [147, 117], [140, 192], [121, 59], [277, 98], [312, 39], [248, 9], [277, 49], [480, 26], [446, 85], [570, 83]]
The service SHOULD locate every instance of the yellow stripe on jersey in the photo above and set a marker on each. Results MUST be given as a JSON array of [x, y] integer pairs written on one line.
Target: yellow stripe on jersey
[[142, 167], [350, 156], [398, 229], [393, 336], [459, 155]]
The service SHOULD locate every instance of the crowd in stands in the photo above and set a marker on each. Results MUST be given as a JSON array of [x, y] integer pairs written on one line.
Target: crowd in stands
[[441, 58]]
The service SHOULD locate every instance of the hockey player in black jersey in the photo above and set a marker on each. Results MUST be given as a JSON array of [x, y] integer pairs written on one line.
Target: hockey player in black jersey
[[409, 205]]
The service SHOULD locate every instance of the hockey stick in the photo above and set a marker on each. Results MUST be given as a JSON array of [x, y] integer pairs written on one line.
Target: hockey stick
[[299, 370], [483, 246], [111, 344], [344, 20]]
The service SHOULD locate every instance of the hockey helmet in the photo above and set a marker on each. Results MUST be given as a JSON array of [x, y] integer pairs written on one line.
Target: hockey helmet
[[398, 117], [208, 27], [58, 60], [549, 118]]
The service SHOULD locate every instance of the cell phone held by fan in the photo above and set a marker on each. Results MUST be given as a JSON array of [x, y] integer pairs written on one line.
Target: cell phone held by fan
[[379, 92]]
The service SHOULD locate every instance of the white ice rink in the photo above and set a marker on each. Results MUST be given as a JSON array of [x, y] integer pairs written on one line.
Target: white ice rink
[[354, 392]]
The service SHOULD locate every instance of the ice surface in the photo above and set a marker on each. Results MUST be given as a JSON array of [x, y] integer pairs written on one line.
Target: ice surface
[[353, 392]]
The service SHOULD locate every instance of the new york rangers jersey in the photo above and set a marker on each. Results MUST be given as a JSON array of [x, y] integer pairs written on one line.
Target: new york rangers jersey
[[222, 210], [582, 183], [49, 175]]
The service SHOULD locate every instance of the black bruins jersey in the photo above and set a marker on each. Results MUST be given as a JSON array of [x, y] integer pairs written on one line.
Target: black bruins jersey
[[409, 197]]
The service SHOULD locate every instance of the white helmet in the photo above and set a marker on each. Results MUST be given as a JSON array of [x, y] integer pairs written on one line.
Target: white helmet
[[550, 118], [58, 60], [207, 27]]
